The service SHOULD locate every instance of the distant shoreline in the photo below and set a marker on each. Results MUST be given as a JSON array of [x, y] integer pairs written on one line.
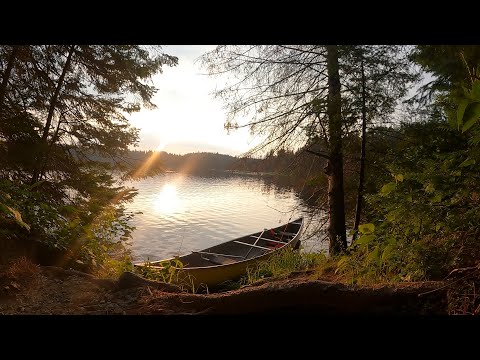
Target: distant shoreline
[[234, 172], [251, 173]]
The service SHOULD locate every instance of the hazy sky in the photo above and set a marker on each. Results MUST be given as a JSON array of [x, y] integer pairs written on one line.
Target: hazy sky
[[187, 118]]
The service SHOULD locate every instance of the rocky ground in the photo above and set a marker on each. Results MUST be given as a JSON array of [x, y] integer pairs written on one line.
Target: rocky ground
[[31, 289]]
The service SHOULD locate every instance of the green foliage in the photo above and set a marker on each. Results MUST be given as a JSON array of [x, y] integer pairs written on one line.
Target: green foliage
[[102, 242], [167, 271], [365, 239], [283, 262], [89, 236], [170, 272], [471, 116], [62, 113], [30, 211], [455, 87], [114, 265], [453, 66], [427, 219], [468, 111]]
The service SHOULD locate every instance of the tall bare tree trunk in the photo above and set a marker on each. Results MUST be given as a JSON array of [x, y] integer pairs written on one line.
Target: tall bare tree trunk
[[6, 76], [334, 169], [361, 180], [51, 110]]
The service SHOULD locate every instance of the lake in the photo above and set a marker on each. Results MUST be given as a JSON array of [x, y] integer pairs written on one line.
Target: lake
[[183, 213]]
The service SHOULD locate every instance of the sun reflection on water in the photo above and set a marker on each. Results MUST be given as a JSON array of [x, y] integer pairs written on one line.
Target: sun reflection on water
[[167, 200]]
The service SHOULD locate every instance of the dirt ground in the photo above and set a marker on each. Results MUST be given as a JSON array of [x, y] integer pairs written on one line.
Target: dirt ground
[[32, 289]]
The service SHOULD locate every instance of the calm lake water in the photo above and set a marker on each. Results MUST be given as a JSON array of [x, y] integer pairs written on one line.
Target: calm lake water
[[183, 213]]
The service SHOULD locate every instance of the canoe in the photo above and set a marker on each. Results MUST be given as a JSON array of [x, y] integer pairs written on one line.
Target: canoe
[[230, 260]]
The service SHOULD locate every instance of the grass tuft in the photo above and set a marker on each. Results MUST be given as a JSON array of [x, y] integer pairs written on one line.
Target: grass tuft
[[282, 263], [21, 268]]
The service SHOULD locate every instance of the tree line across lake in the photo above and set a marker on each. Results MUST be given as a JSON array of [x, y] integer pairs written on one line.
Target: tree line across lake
[[273, 163]]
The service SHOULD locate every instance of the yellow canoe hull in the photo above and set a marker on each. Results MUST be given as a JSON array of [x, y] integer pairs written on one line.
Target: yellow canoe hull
[[215, 275]]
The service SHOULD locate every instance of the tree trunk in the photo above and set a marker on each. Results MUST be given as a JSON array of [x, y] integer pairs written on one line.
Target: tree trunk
[[53, 101], [6, 75], [51, 110], [334, 169], [49, 149], [361, 180]]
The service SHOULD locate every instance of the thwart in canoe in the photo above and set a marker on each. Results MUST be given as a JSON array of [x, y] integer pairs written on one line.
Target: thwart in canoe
[[230, 260]]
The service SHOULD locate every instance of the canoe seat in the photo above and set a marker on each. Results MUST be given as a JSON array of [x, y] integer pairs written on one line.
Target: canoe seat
[[219, 260], [287, 233]]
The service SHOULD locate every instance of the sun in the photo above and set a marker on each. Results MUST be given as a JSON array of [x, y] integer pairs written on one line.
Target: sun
[[167, 200], [161, 146]]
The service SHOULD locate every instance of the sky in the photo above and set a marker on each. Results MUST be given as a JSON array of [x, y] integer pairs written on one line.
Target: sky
[[188, 118]]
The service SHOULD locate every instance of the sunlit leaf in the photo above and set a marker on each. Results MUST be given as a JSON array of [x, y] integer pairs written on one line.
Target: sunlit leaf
[[475, 92], [388, 188], [467, 162], [472, 113], [374, 255], [18, 218], [366, 228], [365, 239], [399, 177], [429, 188]]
